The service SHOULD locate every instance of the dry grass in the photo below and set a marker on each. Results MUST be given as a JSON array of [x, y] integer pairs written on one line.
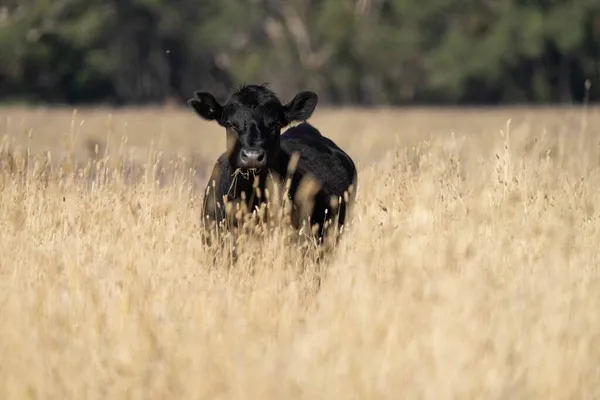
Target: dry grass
[[470, 269]]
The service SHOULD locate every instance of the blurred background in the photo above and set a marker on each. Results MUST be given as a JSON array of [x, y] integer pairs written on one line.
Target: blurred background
[[352, 52]]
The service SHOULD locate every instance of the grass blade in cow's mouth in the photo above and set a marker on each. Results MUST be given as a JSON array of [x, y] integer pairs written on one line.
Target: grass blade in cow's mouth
[[255, 171], [247, 172]]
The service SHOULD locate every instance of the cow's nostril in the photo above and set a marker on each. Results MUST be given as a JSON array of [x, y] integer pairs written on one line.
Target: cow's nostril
[[253, 158]]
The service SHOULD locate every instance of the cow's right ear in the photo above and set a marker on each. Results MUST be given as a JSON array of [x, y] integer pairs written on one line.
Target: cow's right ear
[[301, 107], [206, 106]]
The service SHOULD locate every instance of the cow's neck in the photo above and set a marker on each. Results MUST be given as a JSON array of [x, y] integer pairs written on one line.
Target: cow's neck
[[244, 183]]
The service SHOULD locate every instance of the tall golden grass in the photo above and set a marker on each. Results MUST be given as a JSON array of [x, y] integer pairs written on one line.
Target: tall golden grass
[[469, 269]]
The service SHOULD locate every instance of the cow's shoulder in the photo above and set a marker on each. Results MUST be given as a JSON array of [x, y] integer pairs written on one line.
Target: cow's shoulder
[[320, 156]]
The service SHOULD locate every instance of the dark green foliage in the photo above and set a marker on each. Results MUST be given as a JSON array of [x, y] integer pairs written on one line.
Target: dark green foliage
[[350, 52]]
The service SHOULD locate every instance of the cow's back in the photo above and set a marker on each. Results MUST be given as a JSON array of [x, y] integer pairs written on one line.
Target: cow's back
[[320, 156]]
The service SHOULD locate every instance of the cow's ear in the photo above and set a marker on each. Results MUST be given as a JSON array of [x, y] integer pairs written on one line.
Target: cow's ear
[[206, 106], [301, 107]]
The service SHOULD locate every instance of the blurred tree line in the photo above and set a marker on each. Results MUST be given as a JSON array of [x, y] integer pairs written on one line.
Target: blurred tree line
[[361, 52]]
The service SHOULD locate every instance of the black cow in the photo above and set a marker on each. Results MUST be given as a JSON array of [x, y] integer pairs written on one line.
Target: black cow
[[253, 118]]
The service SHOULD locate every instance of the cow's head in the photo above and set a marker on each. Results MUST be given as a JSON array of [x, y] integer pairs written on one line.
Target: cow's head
[[253, 118]]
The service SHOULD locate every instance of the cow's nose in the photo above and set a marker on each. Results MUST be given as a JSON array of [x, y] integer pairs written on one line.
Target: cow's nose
[[253, 158]]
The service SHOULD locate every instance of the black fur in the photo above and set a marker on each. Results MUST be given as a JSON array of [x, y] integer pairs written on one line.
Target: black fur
[[253, 117]]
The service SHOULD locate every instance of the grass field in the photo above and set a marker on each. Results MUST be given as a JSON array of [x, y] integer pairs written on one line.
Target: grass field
[[470, 269]]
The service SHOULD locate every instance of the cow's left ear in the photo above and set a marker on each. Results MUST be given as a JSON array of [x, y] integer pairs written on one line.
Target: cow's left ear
[[301, 107], [206, 106]]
